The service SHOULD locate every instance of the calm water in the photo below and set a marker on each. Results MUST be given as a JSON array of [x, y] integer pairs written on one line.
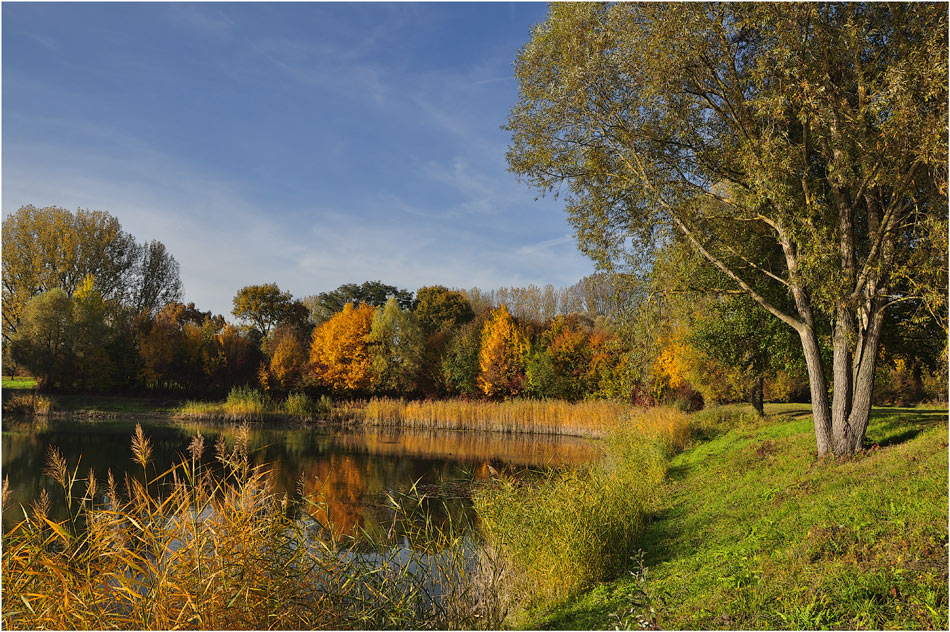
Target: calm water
[[351, 469]]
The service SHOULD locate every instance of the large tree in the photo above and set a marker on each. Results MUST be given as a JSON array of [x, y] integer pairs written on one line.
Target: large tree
[[396, 347], [437, 307], [374, 293], [265, 306], [47, 248], [157, 282], [814, 132]]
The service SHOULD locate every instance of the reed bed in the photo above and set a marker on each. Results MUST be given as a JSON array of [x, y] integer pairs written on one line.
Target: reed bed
[[204, 546], [568, 529], [587, 419]]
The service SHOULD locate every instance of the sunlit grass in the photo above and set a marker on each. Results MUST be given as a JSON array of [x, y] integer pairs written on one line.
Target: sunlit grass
[[752, 532], [214, 547], [591, 418], [19, 383]]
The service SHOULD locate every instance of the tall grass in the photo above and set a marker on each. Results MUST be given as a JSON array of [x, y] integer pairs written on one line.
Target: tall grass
[[591, 418], [214, 547], [571, 528], [248, 404]]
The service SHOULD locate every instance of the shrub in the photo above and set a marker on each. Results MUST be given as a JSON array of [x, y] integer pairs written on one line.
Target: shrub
[[26, 403], [299, 405], [244, 402]]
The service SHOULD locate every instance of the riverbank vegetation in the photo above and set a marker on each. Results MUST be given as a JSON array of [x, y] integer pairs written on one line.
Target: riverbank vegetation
[[210, 545], [572, 528]]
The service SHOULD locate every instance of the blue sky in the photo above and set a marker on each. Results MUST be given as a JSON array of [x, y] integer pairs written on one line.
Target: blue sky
[[307, 144]]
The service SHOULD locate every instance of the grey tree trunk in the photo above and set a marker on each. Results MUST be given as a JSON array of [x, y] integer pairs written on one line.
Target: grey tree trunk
[[820, 405]]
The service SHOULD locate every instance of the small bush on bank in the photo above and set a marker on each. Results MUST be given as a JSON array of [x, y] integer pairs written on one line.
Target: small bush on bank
[[244, 402], [299, 405]]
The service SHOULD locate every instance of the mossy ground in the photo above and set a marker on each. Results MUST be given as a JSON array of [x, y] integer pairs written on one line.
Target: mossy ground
[[754, 533]]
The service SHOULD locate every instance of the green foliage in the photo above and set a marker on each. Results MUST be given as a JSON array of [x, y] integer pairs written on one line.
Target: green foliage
[[570, 529], [265, 306], [244, 402], [460, 362], [437, 307], [300, 405], [374, 293], [44, 340], [396, 349], [19, 383]]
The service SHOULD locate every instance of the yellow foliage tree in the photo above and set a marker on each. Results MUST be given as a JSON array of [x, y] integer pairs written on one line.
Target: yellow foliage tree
[[673, 362], [502, 355], [339, 351]]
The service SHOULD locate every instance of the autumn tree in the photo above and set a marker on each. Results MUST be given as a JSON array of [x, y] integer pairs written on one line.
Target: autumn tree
[[265, 306], [396, 343], [816, 133], [287, 364], [339, 351], [502, 354]]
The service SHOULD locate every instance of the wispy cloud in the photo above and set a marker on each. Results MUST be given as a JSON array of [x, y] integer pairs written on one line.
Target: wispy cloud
[[336, 158]]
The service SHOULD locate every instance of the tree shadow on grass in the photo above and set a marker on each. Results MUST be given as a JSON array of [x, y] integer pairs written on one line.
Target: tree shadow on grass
[[925, 415], [895, 439], [893, 426]]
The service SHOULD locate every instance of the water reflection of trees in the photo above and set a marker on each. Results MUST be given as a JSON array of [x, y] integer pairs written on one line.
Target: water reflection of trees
[[350, 472]]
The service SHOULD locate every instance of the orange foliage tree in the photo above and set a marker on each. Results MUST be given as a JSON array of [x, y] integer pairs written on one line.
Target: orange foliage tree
[[502, 356], [288, 361], [339, 351]]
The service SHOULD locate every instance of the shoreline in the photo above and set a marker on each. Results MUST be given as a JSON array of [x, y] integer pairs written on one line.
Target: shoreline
[[278, 420]]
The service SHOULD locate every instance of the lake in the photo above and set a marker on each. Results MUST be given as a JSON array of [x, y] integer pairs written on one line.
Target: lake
[[351, 469]]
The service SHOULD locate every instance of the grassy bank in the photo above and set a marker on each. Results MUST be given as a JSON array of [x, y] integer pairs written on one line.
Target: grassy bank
[[18, 382], [751, 532]]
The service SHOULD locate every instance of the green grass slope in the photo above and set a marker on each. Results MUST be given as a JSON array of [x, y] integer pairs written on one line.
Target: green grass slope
[[754, 533], [18, 383]]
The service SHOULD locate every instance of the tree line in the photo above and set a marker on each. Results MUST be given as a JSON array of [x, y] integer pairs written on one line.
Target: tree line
[[665, 337]]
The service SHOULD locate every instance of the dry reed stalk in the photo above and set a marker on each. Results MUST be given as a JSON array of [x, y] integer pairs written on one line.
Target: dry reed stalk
[[591, 418], [215, 548]]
